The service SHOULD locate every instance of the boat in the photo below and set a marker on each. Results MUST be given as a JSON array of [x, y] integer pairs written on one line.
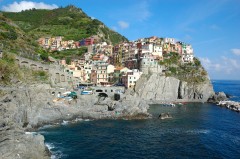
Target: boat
[[86, 92]]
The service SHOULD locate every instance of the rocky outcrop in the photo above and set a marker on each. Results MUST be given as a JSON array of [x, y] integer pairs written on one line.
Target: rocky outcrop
[[25, 108], [156, 87], [217, 97], [14, 142], [164, 116]]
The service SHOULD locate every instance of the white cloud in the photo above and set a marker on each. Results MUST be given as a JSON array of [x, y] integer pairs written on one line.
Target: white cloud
[[209, 65], [123, 24], [236, 51], [222, 68], [24, 5]]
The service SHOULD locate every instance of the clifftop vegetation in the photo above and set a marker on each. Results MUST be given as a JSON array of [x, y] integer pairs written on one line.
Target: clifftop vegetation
[[189, 72]]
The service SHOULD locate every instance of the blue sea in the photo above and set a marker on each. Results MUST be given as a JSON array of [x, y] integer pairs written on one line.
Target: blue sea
[[196, 131]]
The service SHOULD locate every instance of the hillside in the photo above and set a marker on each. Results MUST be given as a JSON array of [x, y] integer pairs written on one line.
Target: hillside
[[14, 39], [70, 22]]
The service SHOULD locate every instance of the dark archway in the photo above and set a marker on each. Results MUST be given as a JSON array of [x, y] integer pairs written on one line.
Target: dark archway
[[99, 90], [103, 95]]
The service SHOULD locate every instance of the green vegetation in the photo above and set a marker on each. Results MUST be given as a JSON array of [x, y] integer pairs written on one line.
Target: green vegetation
[[10, 72], [33, 76], [7, 31], [13, 39], [72, 53], [43, 54], [8, 69], [40, 75], [70, 22], [189, 72]]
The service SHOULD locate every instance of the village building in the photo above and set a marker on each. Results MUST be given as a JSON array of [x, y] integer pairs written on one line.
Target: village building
[[129, 79], [147, 61], [187, 55], [87, 71], [102, 76], [93, 76]]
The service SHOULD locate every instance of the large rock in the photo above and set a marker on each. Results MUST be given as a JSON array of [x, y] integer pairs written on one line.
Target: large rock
[[160, 88], [217, 97]]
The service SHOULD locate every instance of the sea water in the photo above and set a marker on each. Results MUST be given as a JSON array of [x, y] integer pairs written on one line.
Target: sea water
[[195, 131]]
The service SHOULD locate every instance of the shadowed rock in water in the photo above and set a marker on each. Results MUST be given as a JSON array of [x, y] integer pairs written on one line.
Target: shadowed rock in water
[[164, 116]]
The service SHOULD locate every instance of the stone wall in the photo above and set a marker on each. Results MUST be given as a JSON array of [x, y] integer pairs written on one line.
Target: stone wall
[[57, 75]]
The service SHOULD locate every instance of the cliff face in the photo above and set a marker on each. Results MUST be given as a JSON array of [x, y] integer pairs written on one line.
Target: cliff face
[[156, 87], [24, 108]]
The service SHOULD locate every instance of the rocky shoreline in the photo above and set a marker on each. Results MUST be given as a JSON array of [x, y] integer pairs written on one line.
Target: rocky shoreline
[[28, 107], [232, 105]]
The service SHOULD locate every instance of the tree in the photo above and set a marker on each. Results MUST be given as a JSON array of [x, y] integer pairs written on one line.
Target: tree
[[43, 54], [197, 62], [68, 60]]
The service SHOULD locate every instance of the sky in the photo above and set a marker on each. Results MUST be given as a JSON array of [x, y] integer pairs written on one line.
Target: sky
[[212, 27]]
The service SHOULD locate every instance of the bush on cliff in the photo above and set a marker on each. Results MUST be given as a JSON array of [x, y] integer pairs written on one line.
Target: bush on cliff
[[189, 72]]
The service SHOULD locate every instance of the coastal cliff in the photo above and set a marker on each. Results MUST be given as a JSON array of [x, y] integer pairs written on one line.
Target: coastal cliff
[[25, 108], [157, 87]]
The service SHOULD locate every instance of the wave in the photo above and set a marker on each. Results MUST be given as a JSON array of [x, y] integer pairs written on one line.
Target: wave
[[64, 122], [198, 131], [55, 154], [182, 131], [30, 133], [88, 119], [50, 146], [78, 119], [46, 126]]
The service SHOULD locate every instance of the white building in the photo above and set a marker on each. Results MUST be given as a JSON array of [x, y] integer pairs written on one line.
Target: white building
[[130, 78], [187, 58], [110, 69], [169, 40], [187, 55], [147, 48], [87, 71], [157, 50], [189, 49]]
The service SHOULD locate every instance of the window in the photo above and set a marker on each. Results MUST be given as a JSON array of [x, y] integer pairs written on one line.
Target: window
[[111, 90]]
